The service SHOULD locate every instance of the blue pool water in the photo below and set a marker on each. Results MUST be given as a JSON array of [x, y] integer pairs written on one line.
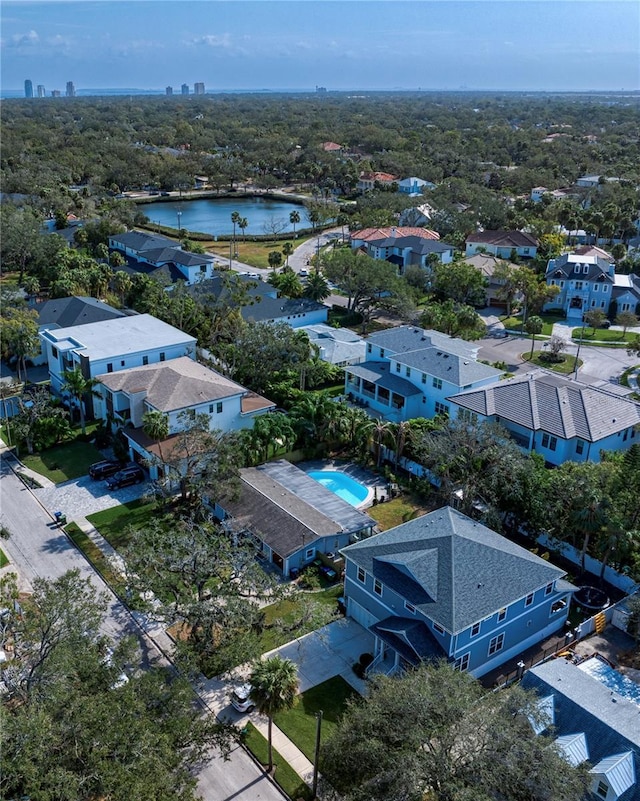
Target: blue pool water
[[342, 485]]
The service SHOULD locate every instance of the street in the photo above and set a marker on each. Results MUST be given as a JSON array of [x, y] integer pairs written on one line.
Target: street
[[37, 547]]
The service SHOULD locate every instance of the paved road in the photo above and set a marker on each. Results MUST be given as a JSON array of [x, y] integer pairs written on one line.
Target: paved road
[[38, 548]]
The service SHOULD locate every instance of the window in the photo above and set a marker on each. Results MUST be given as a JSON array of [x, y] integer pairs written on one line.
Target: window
[[397, 367], [548, 589], [122, 363], [424, 378], [382, 353], [407, 371], [54, 352], [410, 607], [145, 360], [203, 268], [309, 553], [596, 287], [211, 408], [496, 644], [377, 587], [501, 615], [549, 442], [467, 416], [361, 575], [602, 789], [437, 627], [442, 408], [605, 287], [529, 599], [475, 629], [162, 357], [558, 606], [109, 368], [437, 383], [462, 663], [219, 407], [369, 348], [578, 284]]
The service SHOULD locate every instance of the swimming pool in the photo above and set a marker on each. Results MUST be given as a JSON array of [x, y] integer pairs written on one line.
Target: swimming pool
[[342, 485]]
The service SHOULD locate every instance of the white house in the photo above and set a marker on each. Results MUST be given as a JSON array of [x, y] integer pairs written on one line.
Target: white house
[[338, 346], [561, 419], [502, 244], [174, 388], [411, 373], [112, 345]]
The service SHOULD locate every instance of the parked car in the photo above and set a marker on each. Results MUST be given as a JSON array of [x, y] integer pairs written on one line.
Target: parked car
[[101, 470], [125, 477], [241, 699]]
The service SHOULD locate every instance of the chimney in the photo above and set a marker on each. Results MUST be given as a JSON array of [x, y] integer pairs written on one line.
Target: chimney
[[393, 232]]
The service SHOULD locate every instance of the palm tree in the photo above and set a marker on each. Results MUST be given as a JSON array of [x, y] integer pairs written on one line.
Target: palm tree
[[317, 288], [381, 432], [156, 426], [287, 249], [242, 224], [294, 218], [274, 685], [79, 388]]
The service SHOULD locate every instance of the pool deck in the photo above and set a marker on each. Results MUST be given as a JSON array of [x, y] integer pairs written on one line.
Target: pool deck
[[373, 483]]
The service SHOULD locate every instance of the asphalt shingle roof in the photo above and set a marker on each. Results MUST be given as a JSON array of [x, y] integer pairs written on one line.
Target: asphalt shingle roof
[[561, 407], [138, 240], [404, 338], [514, 239], [453, 569], [378, 373], [279, 308], [76, 310], [448, 366]]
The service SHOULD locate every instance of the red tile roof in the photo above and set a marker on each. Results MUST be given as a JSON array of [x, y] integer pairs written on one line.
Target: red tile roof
[[383, 177], [329, 146], [393, 232]]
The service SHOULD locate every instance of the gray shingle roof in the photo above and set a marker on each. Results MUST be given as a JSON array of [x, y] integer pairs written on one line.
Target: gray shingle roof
[[453, 569], [176, 384], [448, 366], [279, 308], [378, 373], [561, 407], [138, 240], [514, 239], [177, 256], [610, 723], [565, 265], [76, 310], [407, 337]]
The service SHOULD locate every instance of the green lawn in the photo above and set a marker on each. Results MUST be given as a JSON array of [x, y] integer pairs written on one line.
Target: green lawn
[[3, 558], [602, 335], [64, 462], [565, 367], [515, 322], [254, 253], [284, 774], [299, 722], [296, 616], [114, 523], [96, 557], [399, 510]]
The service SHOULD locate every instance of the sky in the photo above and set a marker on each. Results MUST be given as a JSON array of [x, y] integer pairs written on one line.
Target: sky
[[516, 45]]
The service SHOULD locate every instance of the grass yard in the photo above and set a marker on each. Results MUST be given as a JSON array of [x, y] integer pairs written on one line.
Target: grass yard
[[295, 616], [399, 510], [602, 335], [114, 523], [96, 557], [284, 774], [566, 366], [3, 558], [63, 462], [254, 253], [515, 322], [299, 722]]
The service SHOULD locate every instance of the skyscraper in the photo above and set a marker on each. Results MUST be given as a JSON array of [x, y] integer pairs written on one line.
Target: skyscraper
[[198, 88], [168, 91], [71, 89], [28, 88], [185, 89], [41, 90], [56, 93]]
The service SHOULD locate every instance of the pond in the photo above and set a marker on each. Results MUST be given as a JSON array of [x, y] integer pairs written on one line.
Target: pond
[[213, 215]]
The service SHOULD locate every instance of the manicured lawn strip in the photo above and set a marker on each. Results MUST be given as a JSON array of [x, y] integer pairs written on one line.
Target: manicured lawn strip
[[96, 557], [290, 610], [299, 722], [254, 253], [602, 335], [565, 367], [284, 774], [399, 510], [63, 462], [3, 558], [114, 523], [515, 323]]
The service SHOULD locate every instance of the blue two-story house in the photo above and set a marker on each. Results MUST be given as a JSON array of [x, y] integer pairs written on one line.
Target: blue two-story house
[[410, 373], [444, 586]]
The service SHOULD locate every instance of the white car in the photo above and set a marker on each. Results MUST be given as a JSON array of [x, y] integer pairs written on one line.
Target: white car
[[241, 699]]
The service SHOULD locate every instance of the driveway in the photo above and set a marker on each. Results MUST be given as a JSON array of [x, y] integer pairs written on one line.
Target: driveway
[[83, 496]]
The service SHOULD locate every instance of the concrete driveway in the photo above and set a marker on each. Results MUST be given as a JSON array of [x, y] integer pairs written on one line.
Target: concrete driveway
[[83, 496]]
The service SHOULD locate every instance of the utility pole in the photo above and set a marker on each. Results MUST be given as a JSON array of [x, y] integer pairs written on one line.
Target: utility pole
[[316, 757]]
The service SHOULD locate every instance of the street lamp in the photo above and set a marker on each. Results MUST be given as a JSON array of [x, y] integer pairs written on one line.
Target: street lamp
[[179, 215]]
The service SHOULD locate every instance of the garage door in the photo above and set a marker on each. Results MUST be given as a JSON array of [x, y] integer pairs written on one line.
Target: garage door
[[360, 614]]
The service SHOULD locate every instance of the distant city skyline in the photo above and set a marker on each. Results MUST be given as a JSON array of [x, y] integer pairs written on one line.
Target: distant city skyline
[[570, 45]]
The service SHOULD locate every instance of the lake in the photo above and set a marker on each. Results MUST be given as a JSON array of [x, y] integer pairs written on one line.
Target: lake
[[213, 216]]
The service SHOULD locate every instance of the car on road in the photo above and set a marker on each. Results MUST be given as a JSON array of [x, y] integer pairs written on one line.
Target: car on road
[[101, 470], [303, 273], [241, 699], [132, 474]]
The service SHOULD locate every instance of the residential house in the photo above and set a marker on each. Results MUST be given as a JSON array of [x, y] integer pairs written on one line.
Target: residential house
[[589, 181], [338, 346], [160, 256], [590, 282], [414, 186], [487, 264], [292, 519], [411, 373], [368, 180], [417, 217], [174, 387], [331, 147], [538, 192], [72, 311], [561, 419], [444, 586], [109, 346], [592, 712], [402, 246], [502, 244]]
